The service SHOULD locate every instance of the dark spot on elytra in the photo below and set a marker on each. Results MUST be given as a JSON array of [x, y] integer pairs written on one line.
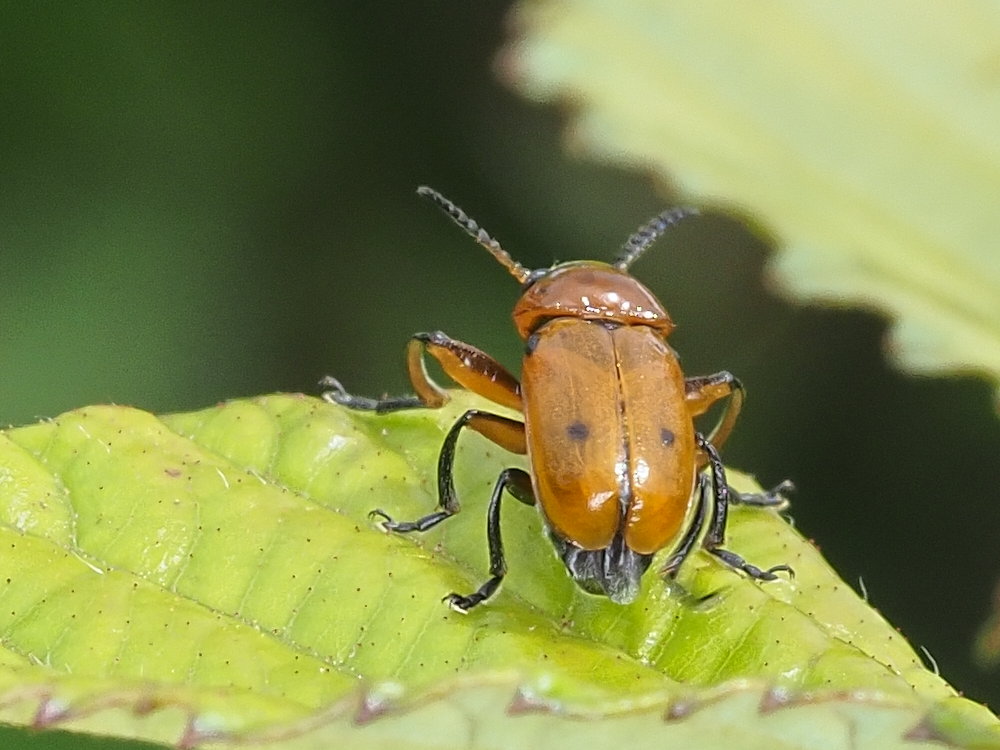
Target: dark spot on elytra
[[578, 431], [666, 436]]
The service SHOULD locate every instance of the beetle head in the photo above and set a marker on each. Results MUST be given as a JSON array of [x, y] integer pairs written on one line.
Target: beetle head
[[583, 289], [615, 571]]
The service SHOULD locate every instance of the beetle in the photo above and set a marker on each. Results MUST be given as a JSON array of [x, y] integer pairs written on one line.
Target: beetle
[[618, 467]]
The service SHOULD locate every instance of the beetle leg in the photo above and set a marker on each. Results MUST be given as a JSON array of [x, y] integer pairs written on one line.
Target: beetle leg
[[465, 364], [694, 531], [337, 394], [772, 498], [518, 483], [717, 531], [704, 391], [507, 433]]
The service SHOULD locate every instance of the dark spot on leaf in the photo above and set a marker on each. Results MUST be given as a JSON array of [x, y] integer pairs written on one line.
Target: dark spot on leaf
[[578, 431], [666, 436]]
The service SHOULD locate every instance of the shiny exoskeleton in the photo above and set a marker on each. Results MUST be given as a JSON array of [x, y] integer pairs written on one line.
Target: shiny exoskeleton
[[617, 465]]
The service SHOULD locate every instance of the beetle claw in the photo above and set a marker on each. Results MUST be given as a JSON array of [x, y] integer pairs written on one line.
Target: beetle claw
[[328, 381], [735, 561], [767, 575], [459, 603], [386, 523], [782, 487], [336, 393], [776, 568]]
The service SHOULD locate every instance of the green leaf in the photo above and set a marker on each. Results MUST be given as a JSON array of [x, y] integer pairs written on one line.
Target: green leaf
[[862, 135], [214, 576]]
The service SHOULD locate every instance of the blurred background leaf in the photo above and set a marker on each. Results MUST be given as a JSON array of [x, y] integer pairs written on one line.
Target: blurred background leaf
[[867, 146], [988, 640], [203, 203]]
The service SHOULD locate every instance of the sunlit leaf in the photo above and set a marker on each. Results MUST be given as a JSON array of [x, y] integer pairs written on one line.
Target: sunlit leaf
[[214, 576]]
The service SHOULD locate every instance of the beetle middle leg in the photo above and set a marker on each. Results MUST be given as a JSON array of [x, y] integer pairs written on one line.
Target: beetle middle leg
[[723, 495], [508, 434], [505, 432], [465, 364], [518, 483]]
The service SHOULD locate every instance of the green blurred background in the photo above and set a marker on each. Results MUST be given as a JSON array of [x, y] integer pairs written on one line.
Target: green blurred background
[[199, 203]]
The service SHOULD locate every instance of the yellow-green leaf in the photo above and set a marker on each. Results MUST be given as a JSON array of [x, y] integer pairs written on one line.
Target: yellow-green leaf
[[214, 576], [862, 135]]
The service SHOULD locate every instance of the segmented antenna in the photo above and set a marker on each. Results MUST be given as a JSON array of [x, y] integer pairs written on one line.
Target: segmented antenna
[[646, 235], [477, 233]]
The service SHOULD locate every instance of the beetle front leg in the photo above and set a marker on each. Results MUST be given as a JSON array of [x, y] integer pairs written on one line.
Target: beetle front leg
[[723, 495], [518, 483], [465, 364], [702, 392], [337, 394]]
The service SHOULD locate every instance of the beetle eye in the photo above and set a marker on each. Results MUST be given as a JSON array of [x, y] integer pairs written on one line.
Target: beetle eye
[[534, 276]]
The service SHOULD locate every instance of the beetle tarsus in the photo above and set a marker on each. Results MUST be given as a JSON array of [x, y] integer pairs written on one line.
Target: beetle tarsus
[[463, 604], [772, 498], [459, 603], [337, 394], [786, 568], [404, 527], [735, 561]]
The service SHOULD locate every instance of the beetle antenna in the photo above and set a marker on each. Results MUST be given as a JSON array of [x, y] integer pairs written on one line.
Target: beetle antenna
[[477, 233], [646, 235]]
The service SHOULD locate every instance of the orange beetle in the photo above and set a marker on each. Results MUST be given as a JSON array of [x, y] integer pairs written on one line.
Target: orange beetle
[[616, 461]]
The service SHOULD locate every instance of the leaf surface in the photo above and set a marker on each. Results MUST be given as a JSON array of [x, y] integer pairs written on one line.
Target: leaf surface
[[213, 576]]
